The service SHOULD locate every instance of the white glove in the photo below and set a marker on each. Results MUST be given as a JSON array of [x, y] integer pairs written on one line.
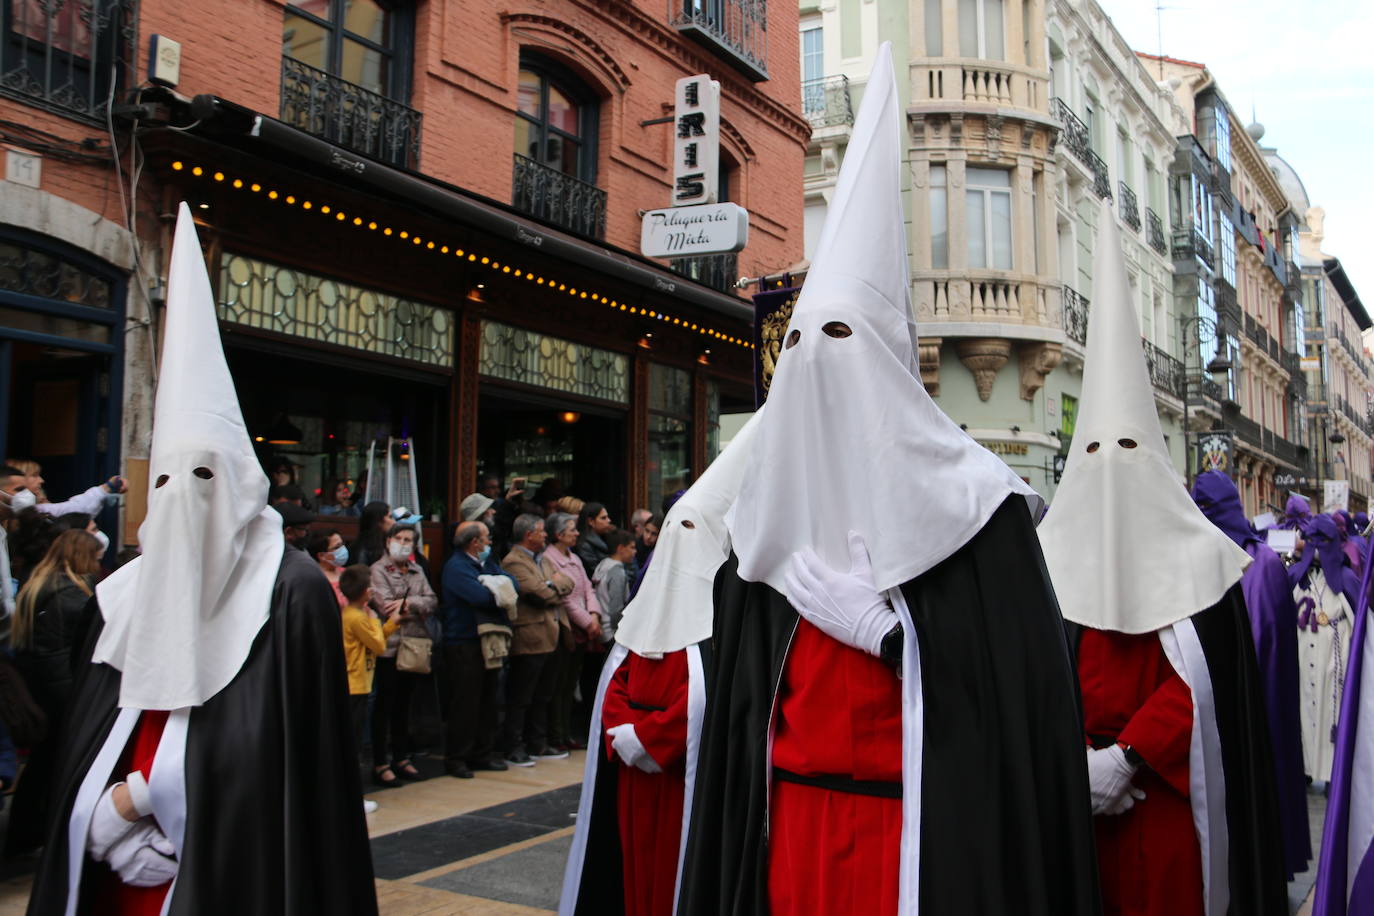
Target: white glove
[[108, 827], [145, 857], [1109, 781], [626, 743], [843, 606]]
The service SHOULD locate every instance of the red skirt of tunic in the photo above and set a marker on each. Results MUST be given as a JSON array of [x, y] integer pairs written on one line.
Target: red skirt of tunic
[[1149, 858], [652, 695], [839, 714], [110, 896]]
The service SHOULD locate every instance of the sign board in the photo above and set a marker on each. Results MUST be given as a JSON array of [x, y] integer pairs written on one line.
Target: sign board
[[23, 168], [1264, 521], [1335, 495], [1311, 363], [1285, 479], [1214, 452], [1282, 541], [696, 141], [680, 232]]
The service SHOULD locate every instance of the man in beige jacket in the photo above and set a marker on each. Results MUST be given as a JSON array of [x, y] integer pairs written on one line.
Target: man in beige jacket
[[529, 685]]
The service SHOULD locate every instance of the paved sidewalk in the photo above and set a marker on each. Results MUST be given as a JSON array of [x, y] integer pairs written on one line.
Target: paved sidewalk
[[494, 844]]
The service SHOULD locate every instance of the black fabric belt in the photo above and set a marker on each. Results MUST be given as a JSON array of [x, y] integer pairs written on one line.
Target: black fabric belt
[[645, 707], [1101, 741], [845, 784]]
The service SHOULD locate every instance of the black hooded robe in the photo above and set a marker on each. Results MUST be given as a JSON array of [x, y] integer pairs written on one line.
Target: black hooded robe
[[1255, 865], [1006, 822], [274, 820]]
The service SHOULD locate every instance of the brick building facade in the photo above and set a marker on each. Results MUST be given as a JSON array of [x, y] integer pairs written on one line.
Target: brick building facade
[[421, 219]]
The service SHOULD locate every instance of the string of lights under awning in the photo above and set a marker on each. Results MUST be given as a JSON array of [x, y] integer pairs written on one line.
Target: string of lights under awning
[[473, 257]]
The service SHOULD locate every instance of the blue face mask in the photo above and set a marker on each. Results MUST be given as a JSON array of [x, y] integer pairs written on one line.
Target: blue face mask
[[483, 554], [341, 556]]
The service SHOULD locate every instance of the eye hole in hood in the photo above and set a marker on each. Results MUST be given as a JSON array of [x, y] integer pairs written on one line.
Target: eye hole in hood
[[837, 329]]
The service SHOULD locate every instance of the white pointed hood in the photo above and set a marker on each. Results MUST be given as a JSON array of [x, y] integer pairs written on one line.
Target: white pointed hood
[[1126, 547], [180, 620], [674, 606], [851, 440]]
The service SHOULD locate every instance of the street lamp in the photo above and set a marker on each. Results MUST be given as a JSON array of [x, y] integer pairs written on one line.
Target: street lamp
[[1217, 367]]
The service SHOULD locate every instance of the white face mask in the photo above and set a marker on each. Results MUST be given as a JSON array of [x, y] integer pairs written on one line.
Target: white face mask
[[399, 552], [24, 499], [104, 540]]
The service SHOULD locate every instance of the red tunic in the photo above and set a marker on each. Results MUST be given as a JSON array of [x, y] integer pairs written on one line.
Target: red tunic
[[1149, 858], [652, 695], [839, 713], [111, 896]]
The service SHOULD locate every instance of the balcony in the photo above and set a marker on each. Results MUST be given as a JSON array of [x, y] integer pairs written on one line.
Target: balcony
[[558, 199], [1166, 372], [1257, 334], [351, 116], [1228, 308], [1155, 230], [1130, 209], [1075, 307], [62, 56], [718, 271], [1102, 181], [1073, 132], [826, 102], [736, 30], [1188, 243]]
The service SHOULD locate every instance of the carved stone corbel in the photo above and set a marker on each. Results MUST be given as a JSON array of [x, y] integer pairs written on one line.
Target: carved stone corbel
[[928, 352], [984, 357], [1038, 360]]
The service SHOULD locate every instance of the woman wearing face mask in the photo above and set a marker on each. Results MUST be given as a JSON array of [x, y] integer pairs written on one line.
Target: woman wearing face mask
[[89, 501], [579, 620], [399, 589], [47, 617], [331, 553]]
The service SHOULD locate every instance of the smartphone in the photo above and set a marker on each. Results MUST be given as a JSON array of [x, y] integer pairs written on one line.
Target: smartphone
[[518, 484]]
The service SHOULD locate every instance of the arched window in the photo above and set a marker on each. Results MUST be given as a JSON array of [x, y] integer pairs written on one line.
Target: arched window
[[556, 119]]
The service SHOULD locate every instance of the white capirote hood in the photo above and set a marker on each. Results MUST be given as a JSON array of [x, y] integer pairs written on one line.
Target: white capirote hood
[[851, 440], [180, 619], [1127, 548], [674, 606]]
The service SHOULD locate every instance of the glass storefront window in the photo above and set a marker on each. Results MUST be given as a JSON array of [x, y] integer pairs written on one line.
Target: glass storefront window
[[712, 420], [521, 356], [670, 432], [288, 301]]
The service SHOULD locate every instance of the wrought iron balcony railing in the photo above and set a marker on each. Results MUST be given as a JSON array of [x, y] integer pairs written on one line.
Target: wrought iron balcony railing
[[718, 271], [1154, 227], [1292, 363], [1074, 133], [1075, 306], [558, 199], [62, 56], [1166, 372], [359, 119], [1130, 208], [826, 102], [1228, 307], [737, 30], [1102, 181], [1188, 243]]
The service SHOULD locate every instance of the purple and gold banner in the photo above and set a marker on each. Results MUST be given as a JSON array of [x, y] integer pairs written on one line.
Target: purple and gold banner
[[772, 312]]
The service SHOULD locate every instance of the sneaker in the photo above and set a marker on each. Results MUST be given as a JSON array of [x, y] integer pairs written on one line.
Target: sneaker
[[369, 806], [458, 770], [519, 759], [494, 765], [549, 753], [575, 745]]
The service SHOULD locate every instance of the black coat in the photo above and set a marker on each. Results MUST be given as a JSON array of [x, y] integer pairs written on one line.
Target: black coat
[[274, 820], [1006, 823]]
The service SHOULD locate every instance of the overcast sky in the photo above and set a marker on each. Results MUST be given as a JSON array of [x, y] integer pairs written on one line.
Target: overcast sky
[[1308, 71]]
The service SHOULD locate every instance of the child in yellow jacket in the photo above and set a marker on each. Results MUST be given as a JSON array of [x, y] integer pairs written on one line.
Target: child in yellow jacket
[[364, 638]]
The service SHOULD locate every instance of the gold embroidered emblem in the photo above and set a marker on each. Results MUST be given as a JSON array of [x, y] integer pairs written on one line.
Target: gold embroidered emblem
[[771, 334]]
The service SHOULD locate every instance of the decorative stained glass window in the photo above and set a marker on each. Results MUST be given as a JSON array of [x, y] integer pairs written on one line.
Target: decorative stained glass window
[[517, 355], [288, 301], [49, 276]]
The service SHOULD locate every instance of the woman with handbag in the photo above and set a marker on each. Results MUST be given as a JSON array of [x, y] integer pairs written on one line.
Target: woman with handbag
[[579, 621], [399, 589]]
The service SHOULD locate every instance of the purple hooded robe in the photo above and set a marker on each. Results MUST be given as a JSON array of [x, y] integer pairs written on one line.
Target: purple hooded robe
[[1269, 600]]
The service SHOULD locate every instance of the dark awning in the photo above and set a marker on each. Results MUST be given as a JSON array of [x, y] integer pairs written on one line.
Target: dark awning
[[256, 133]]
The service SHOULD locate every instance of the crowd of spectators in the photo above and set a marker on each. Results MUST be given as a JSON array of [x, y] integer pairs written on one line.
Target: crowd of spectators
[[492, 663]]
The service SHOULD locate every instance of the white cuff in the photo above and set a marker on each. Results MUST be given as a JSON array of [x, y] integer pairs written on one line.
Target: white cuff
[[138, 793]]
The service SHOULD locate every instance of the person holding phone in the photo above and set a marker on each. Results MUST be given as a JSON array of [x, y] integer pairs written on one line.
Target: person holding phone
[[400, 591]]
